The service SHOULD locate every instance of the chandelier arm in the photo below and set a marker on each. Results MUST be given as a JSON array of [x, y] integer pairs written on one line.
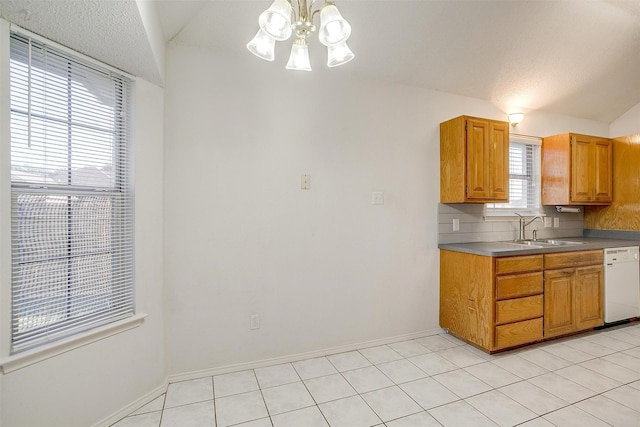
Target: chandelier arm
[[325, 4], [293, 9], [302, 10]]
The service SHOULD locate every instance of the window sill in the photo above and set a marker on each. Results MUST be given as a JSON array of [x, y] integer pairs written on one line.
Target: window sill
[[22, 360]]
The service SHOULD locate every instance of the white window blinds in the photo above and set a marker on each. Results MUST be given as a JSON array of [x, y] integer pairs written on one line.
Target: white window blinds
[[72, 207], [524, 177]]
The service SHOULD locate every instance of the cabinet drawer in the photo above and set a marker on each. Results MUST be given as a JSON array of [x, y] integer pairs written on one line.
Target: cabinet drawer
[[573, 259], [513, 334], [518, 285], [513, 310], [515, 264]]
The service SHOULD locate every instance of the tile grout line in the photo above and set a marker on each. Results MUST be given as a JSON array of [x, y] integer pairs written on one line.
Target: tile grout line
[[310, 394], [215, 411], [263, 399]]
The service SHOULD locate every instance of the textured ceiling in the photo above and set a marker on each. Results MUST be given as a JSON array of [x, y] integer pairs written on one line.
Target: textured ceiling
[[578, 58], [107, 30]]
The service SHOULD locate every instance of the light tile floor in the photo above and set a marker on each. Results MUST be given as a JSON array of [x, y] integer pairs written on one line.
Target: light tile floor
[[587, 380]]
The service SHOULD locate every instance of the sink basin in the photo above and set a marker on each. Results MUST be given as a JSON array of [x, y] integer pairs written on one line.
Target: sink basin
[[530, 243], [547, 242], [562, 242]]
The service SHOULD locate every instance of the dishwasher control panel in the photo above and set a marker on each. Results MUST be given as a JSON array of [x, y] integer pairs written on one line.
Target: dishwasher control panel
[[621, 254]]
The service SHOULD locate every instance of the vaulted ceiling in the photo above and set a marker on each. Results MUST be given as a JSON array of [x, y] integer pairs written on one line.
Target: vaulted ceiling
[[577, 58]]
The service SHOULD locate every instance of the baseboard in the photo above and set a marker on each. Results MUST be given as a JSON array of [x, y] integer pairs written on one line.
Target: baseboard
[[133, 406], [296, 357]]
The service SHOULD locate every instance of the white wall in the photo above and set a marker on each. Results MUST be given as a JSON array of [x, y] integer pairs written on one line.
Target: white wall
[[88, 384], [323, 267], [149, 16], [627, 124]]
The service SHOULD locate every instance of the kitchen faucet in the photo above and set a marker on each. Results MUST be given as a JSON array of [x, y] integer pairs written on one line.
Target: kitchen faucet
[[524, 223]]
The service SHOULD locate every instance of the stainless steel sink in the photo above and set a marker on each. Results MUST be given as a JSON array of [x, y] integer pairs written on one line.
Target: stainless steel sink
[[558, 242], [530, 242], [546, 242]]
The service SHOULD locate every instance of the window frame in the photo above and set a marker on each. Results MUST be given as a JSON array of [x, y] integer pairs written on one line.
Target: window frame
[[534, 180], [93, 331]]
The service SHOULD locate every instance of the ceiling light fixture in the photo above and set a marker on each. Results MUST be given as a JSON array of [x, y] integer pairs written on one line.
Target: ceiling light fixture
[[515, 118], [281, 20]]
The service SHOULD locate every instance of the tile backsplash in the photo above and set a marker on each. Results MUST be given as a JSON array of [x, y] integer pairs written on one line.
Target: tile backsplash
[[476, 227]]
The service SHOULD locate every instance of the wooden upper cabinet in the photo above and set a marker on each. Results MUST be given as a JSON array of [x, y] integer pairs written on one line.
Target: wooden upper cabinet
[[603, 175], [499, 160], [576, 170], [474, 161]]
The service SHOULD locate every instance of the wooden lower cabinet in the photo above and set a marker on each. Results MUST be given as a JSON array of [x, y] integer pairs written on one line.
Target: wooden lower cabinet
[[573, 296], [494, 303], [498, 303], [465, 300], [589, 297], [518, 301], [518, 333], [513, 310], [559, 309]]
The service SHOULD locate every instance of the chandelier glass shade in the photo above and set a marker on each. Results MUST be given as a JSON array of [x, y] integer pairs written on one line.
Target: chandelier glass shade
[[299, 58], [263, 46], [281, 20]]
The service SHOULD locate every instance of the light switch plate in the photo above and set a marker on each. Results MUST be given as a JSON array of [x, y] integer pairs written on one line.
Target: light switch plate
[[254, 321], [305, 182], [456, 224], [377, 198]]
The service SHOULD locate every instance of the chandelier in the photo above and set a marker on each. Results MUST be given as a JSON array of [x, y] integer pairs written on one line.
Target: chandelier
[[282, 19]]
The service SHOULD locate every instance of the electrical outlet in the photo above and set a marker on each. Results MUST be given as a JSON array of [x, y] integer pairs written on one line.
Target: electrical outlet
[[254, 321], [548, 222], [456, 224], [556, 222]]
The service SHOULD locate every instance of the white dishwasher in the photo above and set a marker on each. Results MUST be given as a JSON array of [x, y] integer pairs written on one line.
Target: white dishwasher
[[621, 284]]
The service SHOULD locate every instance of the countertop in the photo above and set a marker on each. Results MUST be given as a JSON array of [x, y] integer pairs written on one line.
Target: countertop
[[510, 248]]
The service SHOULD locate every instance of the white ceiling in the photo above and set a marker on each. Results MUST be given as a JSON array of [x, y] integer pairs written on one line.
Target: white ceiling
[[578, 58]]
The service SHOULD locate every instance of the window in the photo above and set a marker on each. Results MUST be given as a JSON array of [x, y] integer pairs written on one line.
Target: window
[[524, 177], [71, 200]]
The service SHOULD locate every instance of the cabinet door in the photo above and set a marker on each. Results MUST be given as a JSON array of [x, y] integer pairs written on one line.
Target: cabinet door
[[588, 292], [478, 168], [603, 158], [582, 169], [559, 306], [499, 160]]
